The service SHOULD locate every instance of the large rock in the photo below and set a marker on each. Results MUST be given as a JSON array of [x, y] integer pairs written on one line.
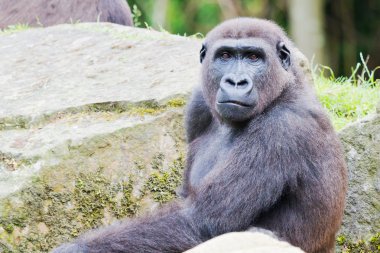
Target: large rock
[[361, 141], [90, 128], [245, 242], [47, 13]]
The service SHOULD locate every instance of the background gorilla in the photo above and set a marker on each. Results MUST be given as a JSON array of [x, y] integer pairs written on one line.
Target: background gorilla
[[52, 12], [262, 153]]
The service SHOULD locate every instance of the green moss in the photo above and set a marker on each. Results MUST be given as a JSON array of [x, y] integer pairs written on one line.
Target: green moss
[[162, 184], [63, 202], [157, 161], [9, 228], [11, 219], [5, 247], [12, 163], [141, 111], [139, 165], [92, 194], [152, 107], [176, 102], [28, 216], [128, 205], [345, 245], [8, 161], [19, 122], [65, 214], [106, 110]]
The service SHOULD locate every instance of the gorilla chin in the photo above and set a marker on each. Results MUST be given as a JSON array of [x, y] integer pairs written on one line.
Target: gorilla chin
[[235, 111]]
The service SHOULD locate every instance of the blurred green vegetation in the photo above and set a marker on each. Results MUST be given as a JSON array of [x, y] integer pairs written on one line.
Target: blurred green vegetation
[[181, 17], [349, 27], [186, 17]]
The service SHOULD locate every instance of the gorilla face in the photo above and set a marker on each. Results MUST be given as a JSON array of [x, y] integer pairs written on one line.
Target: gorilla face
[[240, 75], [238, 66]]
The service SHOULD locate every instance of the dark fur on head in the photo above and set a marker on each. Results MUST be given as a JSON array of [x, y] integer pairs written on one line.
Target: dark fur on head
[[262, 154]]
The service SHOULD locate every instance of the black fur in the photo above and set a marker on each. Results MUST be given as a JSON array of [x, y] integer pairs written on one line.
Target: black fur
[[278, 166]]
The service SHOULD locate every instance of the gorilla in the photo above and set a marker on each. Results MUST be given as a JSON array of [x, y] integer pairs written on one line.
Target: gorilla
[[52, 12], [262, 154]]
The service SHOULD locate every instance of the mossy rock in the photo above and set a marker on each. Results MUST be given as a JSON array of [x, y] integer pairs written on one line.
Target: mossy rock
[[93, 183], [96, 136], [361, 142]]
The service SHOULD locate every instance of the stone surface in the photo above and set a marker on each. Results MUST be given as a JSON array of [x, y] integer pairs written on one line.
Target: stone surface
[[245, 242], [104, 70], [361, 142], [90, 128], [97, 63]]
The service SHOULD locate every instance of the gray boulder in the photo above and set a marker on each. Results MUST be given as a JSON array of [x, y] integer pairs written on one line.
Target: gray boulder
[[245, 242], [361, 142], [90, 128]]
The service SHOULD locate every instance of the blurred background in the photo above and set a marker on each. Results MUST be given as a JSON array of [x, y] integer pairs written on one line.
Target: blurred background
[[329, 32]]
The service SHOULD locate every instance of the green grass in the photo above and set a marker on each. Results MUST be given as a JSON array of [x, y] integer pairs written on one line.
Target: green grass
[[14, 28], [348, 98]]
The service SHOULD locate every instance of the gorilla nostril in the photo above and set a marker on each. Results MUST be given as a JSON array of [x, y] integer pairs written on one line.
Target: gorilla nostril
[[230, 81], [242, 82]]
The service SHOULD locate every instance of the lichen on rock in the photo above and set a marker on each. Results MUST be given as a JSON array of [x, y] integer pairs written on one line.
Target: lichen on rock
[[86, 144]]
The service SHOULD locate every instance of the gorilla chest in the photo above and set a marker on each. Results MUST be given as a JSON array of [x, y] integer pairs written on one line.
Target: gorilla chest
[[212, 153]]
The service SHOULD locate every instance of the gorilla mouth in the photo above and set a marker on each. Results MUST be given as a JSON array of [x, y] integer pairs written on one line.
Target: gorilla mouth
[[235, 102]]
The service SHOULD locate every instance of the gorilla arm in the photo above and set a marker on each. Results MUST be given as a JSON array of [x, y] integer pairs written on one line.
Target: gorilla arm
[[229, 200], [237, 194], [169, 230], [198, 119], [198, 116]]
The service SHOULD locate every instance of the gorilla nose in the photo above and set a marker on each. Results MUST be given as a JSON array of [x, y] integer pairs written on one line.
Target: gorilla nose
[[242, 83]]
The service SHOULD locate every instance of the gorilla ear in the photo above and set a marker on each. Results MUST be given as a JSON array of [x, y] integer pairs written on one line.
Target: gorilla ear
[[202, 53], [284, 55]]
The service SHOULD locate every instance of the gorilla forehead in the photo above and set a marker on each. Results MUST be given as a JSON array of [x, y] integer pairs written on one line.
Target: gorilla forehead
[[239, 28], [242, 43]]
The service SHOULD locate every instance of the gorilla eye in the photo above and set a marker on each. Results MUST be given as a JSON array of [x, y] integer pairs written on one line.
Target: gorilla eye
[[226, 56], [253, 57]]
